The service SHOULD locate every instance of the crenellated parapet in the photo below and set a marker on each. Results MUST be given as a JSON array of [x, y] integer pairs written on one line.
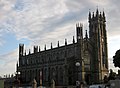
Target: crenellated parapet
[[97, 17], [37, 49]]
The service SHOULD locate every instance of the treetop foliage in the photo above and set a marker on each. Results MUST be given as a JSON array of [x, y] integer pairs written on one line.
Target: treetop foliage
[[116, 59]]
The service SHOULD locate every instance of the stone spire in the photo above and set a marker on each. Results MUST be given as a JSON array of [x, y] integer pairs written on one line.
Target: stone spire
[[65, 41], [29, 51], [93, 15], [25, 52], [104, 17], [89, 18], [39, 49], [51, 45], [58, 44], [73, 39], [100, 16], [97, 13], [45, 47], [17, 64], [86, 35]]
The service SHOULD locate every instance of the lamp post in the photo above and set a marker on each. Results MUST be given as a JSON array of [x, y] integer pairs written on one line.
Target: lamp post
[[77, 64]]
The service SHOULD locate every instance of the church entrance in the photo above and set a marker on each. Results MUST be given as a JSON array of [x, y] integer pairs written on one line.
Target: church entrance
[[87, 78]]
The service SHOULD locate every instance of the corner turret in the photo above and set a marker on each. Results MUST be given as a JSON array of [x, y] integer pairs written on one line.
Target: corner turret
[[21, 49], [79, 29], [86, 35], [104, 19], [58, 44], [65, 41], [51, 45], [89, 18], [35, 49]]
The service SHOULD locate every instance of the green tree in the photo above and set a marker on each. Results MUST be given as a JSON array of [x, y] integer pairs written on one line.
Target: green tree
[[116, 59]]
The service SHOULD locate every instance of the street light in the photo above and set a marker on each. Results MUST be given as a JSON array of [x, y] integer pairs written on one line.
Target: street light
[[77, 64]]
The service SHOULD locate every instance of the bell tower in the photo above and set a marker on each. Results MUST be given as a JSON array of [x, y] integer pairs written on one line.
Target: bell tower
[[79, 37], [98, 40]]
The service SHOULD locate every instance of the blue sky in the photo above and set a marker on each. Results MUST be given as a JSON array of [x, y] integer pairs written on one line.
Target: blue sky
[[40, 22]]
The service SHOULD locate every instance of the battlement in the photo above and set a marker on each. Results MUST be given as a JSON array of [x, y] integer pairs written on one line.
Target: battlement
[[97, 17]]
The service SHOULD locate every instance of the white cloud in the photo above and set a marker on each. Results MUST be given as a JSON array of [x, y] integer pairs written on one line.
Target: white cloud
[[29, 23], [113, 45], [8, 62]]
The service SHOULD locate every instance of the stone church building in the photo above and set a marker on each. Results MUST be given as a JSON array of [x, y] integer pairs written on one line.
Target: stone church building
[[84, 60]]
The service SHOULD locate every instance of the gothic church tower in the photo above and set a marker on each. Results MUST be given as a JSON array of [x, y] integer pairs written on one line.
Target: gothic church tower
[[98, 41]]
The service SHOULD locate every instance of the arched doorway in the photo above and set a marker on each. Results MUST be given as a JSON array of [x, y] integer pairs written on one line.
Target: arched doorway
[[87, 78]]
